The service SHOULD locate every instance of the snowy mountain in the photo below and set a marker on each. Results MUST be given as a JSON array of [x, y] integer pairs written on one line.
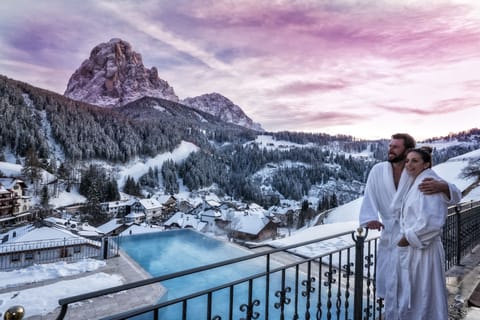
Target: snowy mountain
[[114, 75], [222, 107]]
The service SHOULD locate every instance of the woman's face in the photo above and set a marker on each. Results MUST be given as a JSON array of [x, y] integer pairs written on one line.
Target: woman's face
[[414, 164]]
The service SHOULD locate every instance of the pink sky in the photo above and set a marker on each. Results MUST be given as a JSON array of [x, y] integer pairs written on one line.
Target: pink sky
[[358, 67]]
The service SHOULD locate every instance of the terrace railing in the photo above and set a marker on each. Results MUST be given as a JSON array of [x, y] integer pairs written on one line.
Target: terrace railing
[[323, 286], [461, 232], [27, 253], [333, 284]]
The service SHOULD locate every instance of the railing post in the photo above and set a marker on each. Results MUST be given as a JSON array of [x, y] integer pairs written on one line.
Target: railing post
[[458, 239], [358, 293], [105, 248]]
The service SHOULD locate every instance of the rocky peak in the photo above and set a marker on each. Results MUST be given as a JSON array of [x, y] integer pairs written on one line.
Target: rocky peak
[[114, 75], [223, 108]]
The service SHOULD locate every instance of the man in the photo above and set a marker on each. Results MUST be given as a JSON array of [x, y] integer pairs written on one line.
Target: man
[[386, 181]]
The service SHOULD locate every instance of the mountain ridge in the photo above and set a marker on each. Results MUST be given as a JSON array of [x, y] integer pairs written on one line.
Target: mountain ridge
[[114, 75]]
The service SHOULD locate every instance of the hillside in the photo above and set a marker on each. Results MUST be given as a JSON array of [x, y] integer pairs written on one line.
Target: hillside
[[65, 138]]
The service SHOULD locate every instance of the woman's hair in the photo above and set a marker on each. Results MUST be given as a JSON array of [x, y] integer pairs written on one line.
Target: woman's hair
[[425, 152]]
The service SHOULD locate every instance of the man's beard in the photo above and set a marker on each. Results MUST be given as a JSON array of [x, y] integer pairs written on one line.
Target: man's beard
[[397, 159]]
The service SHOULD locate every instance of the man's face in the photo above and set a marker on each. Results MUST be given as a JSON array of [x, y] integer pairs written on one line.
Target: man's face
[[396, 151]]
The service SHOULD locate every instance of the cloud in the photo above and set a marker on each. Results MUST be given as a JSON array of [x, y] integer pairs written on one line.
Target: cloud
[[444, 106], [298, 118], [305, 87]]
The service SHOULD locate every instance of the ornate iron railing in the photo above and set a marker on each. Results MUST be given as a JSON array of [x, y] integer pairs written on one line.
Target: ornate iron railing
[[338, 284], [319, 287]]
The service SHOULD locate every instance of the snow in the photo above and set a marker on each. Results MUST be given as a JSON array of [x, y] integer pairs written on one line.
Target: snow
[[67, 198], [11, 169], [138, 168], [42, 300], [268, 142], [139, 229], [322, 247], [42, 272]]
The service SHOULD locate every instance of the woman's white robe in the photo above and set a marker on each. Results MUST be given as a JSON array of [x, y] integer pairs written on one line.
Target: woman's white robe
[[422, 293], [379, 204]]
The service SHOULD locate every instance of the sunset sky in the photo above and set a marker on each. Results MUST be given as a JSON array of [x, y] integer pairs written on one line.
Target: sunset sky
[[367, 68]]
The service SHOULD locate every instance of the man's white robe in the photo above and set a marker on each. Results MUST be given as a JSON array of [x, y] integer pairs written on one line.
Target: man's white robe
[[378, 205], [421, 287]]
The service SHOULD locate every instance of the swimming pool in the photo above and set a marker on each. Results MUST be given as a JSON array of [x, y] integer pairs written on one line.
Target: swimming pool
[[167, 252]]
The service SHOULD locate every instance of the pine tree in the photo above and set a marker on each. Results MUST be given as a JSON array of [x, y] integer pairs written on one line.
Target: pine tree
[[44, 197]]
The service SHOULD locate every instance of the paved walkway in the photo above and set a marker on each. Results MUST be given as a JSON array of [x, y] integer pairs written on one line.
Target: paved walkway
[[112, 304], [461, 283]]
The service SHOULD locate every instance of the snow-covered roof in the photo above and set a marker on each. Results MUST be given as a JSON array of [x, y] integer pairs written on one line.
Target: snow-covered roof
[[249, 223], [135, 215], [139, 229], [163, 198], [46, 233], [9, 183], [211, 213], [150, 203], [213, 203], [43, 238], [10, 169], [109, 226], [185, 220]]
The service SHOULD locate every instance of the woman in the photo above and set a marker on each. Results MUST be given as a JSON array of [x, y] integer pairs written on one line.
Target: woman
[[422, 293]]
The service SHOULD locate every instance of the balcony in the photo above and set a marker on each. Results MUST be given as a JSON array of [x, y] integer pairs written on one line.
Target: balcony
[[338, 284]]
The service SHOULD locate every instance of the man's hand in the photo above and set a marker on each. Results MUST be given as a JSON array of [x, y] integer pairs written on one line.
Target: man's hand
[[375, 225], [432, 186], [403, 242]]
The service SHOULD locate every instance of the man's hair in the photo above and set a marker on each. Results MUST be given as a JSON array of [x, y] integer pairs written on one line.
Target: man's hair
[[408, 140]]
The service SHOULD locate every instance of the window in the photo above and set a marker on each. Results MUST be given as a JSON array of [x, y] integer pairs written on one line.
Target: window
[[15, 257], [29, 256], [77, 249]]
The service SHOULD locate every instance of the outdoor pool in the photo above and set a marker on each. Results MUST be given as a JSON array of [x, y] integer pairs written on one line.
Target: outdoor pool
[[163, 253]]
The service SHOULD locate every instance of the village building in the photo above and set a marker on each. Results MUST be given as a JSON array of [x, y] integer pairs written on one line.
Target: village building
[[115, 208], [252, 223], [182, 220], [169, 204], [14, 202], [45, 245], [144, 210], [113, 227]]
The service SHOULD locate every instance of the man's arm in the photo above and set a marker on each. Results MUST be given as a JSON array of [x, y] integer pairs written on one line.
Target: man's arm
[[368, 216], [432, 186]]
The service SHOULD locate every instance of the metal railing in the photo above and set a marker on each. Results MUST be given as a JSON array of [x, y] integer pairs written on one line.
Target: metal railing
[[27, 253], [461, 232], [321, 287], [339, 284]]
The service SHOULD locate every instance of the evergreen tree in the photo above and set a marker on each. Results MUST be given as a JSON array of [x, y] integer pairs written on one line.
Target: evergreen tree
[[169, 176], [131, 187], [44, 197], [31, 170]]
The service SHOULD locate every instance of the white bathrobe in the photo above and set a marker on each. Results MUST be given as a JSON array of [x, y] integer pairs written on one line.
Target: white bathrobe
[[378, 204], [421, 287], [378, 196]]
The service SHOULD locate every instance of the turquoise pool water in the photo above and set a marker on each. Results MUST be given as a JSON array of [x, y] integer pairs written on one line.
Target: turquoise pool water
[[167, 252]]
